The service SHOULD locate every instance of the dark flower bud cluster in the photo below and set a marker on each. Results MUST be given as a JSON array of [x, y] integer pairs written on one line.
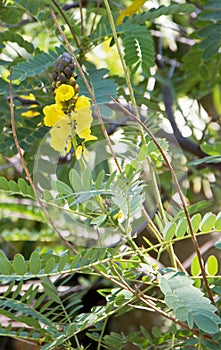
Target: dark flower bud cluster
[[63, 72]]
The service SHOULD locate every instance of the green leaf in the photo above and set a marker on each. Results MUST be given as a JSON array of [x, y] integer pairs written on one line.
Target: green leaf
[[20, 265], [195, 266], [217, 224], [3, 183], [17, 38], [36, 65], [87, 179], [23, 185], [5, 265], [13, 186], [195, 221], [62, 262], [205, 323], [154, 13], [213, 5], [50, 289], [188, 302], [102, 87], [99, 179], [99, 220], [208, 222], [170, 230], [75, 180], [61, 187], [139, 47], [212, 265], [181, 227], [35, 263], [50, 264]]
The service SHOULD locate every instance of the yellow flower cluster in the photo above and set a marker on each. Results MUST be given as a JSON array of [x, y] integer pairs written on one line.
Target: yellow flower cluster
[[69, 116]]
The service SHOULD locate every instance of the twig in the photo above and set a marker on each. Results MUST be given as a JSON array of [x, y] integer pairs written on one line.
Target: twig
[[182, 198], [68, 23], [28, 173]]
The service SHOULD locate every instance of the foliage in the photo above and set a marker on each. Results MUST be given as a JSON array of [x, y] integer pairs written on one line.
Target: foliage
[[128, 224]]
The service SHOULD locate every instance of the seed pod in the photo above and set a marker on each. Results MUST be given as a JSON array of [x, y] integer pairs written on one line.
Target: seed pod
[[63, 70]]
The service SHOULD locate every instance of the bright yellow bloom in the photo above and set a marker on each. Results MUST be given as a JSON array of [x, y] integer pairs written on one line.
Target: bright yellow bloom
[[130, 10], [64, 93], [52, 114], [30, 113], [61, 135], [82, 102], [78, 152], [69, 118]]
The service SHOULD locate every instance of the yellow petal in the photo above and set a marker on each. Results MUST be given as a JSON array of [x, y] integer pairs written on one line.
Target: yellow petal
[[86, 135], [82, 120], [28, 97], [82, 102], [61, 135], [30, 114], [78, 152], [130, 10], [52, 115], [64, 93]]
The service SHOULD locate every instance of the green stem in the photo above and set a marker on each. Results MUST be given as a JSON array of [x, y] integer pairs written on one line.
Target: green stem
[[102, 333], [125, 68], [157, 192]]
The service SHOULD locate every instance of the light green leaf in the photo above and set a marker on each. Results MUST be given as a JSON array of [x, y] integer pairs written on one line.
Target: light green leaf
[[20, 265], [195, 266], [195, 221], [208, 222], [181, 227], [99, 179], [217, 224], [49, 265], [35, 263], [75, 180], [170, 230], [61, 187], [205, 323], [212, 265], [5, 265]]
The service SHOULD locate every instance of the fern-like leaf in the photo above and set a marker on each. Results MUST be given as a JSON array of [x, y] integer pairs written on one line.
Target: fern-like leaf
[[154, 13], [188, 302], [139, 48], [36, 65]]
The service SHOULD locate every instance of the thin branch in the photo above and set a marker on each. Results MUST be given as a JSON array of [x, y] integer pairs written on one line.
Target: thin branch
[[82, 18], [28, 173], [68, 23]]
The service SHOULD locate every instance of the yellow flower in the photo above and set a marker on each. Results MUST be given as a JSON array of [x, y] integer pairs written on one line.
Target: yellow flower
[[82, 118], [130, 10], [78, 152], [52, 114], [69, 118], [30, 113], [82, 102], [64, 93], [61, 135]]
